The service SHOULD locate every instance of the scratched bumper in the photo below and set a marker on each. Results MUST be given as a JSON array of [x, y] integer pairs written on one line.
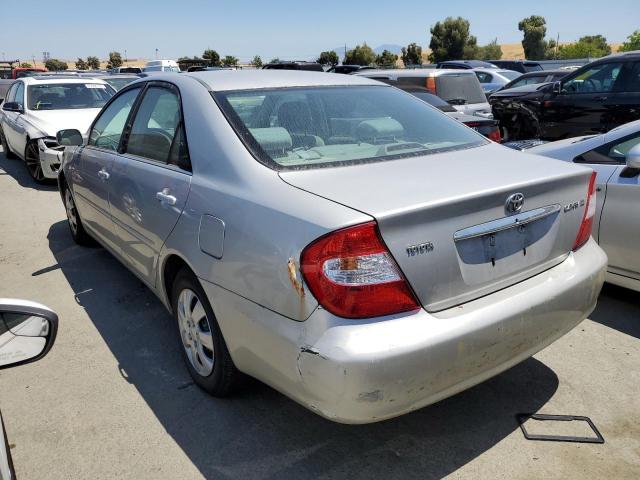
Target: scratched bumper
[[50, 160], [366, 371]]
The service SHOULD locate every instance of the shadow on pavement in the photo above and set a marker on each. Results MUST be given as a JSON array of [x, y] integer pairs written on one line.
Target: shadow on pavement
[[618, 308], [261, 433], [16, 168]]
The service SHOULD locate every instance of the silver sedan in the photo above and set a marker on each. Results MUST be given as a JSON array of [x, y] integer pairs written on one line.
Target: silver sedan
[[334, 237]]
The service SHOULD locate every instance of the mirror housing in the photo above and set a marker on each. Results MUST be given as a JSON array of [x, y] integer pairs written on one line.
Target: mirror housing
[[633, 158], [557, 87], [13, 107], [27, 332], [69, 137]]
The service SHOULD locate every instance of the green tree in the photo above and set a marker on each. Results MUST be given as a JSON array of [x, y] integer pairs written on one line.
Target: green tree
[[93, 63], [25, 65], [632, 43], [55, 65], [490, 51], [534, 30], [81, 64], [115, 60], [274, 60], [212, 57], [451, 40], [412, 54], [386, 59], [328, 58], [360, 55], [588, 46], [257, 61], [229, 61]]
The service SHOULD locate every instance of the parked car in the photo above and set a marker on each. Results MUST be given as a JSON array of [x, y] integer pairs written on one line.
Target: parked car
[[295, 65], [37, 107], [464, 64], [127, 70], [492, 79], [27, 333], [615, 157], [532, 78], [593, 99], [332, 236], [119, 81], [458, 87], [161, 66], [347, 69], [522, 66]]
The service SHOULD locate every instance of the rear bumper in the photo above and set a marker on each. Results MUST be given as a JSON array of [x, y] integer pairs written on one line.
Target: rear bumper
[[366, 371]]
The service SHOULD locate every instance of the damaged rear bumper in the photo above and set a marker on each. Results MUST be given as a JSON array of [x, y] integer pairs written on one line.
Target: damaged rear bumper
[[365, 371]]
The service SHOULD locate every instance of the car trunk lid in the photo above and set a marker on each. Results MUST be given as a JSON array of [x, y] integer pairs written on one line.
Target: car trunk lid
[[443, 216]]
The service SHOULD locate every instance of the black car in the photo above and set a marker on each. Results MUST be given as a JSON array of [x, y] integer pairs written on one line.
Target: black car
[[465, 64], [296, 65], [347, 69], [522, 66], [544, 76], [593, 99]]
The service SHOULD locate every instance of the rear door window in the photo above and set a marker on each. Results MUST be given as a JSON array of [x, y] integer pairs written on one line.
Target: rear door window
[[612, 152]]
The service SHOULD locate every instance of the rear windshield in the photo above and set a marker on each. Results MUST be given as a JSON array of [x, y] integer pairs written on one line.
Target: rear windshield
[[311, 127], [118, 83], [510, 74], [64, 96], [532, 67], [460, 89]]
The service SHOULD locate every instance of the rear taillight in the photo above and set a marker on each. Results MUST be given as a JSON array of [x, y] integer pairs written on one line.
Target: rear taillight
[[494, 135], [431, 85], [589, 212], [352, 274]]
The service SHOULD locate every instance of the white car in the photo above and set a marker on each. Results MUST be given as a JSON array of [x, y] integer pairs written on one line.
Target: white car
[[615, 157], [37, 107]]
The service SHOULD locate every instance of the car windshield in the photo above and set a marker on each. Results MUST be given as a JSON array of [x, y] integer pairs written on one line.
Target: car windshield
[[510, 74], [319, 126], [65, 96]]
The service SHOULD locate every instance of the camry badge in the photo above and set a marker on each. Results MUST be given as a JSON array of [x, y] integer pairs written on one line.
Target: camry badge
[[514, 203]]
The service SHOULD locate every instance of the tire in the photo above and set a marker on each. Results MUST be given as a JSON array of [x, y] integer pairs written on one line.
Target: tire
[[78, 233], [203, 347], [32, 160], [5, 146]]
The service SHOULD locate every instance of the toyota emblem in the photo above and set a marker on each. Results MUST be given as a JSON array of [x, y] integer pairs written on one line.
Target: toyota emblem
[[514, 203]]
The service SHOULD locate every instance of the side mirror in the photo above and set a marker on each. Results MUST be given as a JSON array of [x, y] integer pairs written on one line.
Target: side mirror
[[633, 157], [13, 107], [70, 137], [557, 87], [27, 332]]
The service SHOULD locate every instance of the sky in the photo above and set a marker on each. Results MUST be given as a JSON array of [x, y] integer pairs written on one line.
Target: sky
[[285, 29]]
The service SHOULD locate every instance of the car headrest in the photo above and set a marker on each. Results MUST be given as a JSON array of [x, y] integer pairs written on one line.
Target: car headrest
[[273, 138], [378, 129]]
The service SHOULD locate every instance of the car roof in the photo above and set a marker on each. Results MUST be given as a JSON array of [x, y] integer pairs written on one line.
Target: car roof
[[414, 72], [224, 80], [52, 79]]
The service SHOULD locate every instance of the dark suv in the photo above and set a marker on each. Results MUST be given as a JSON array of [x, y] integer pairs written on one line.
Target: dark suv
[[522, 66], [593, 99]]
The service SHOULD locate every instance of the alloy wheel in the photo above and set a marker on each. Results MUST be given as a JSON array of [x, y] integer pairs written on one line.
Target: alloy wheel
[[32, 159], [196, 332], [72, 214]]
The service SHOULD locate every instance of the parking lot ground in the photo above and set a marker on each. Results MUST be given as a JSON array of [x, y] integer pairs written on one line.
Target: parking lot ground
[[114, 400]]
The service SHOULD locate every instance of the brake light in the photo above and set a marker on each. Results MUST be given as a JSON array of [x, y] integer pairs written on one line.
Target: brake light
[[494, 135], [589, 212], [431, 85], [353, 275]]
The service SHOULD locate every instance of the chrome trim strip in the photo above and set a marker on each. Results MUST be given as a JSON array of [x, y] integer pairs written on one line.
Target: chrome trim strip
[[505, 223]]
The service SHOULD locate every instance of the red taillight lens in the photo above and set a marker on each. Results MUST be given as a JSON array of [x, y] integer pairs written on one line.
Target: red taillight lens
[[495, 135], [431, 85], [589, 212], [353, 275]]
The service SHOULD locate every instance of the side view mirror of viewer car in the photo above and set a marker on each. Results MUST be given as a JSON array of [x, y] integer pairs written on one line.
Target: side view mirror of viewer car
[[13, 107], [70, 137], [27, 332], [632, 157], [557, 87]]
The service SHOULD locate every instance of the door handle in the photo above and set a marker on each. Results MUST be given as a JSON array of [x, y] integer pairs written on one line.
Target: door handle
[[103, 174], [164, 197]]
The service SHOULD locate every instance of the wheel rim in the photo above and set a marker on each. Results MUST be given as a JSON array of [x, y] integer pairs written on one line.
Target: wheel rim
[[72, 214], [32, 159], [195, 331]]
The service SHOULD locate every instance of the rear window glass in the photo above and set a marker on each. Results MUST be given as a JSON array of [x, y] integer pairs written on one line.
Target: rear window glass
[[532, 67], [311, 127], [460, 89], [63, 96]]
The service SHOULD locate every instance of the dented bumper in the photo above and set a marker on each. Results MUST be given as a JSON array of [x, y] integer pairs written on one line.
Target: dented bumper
[[50, 158], [365, 371]]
